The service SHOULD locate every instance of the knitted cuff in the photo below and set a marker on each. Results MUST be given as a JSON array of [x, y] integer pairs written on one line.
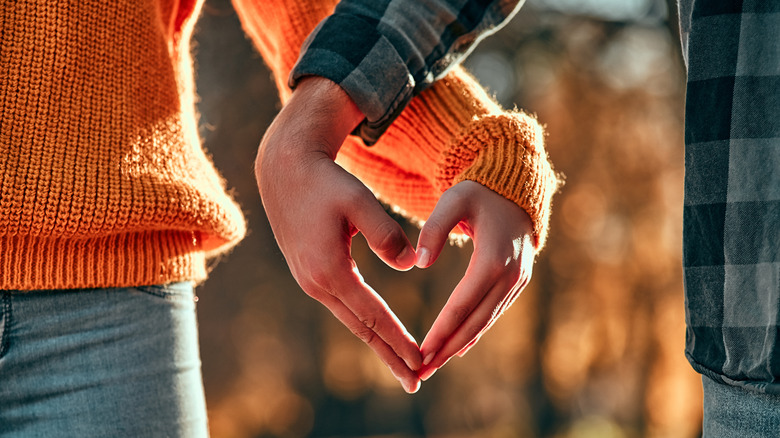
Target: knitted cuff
[[505, 153]]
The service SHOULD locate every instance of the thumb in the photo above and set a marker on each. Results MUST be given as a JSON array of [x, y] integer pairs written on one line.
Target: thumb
[[384, 236], [449, 211]]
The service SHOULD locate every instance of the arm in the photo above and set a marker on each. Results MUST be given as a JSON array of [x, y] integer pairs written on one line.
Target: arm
[[449, 137]]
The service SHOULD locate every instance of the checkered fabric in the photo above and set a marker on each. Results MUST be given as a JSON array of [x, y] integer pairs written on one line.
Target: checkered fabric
[[384, 52], [731, 241]]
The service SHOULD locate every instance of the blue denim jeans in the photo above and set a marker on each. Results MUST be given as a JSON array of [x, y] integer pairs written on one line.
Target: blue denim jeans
[[120, 362], [730, 411]]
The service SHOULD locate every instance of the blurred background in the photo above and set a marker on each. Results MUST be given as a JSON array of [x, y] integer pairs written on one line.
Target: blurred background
[[592, 348]]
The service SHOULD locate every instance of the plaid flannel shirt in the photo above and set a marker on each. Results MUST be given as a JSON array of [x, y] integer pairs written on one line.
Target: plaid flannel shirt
[[731, 238], [382, 54]]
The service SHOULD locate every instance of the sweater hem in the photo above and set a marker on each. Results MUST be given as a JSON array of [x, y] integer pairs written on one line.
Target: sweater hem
[[116, 260]]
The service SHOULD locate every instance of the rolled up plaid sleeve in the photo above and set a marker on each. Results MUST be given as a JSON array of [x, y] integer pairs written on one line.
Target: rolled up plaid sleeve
[[383, 53]]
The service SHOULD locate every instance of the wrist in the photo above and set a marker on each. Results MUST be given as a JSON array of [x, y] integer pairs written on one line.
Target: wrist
[[323, 114], [312, 126], [506, 154]]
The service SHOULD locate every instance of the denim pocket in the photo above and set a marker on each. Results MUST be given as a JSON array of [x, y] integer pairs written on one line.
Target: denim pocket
[[172, 291]]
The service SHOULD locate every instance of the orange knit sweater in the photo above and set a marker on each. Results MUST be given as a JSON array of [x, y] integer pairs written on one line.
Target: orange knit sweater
[[102, 178]]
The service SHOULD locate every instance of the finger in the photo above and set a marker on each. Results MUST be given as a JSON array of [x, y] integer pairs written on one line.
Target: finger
[[406, 376], [512, 265], [434, 234], [479, 279], [527, 268], [328, 270], [384, 236], [457, 341], [460, 339], [375, 317], [508, 301], [469, 331]]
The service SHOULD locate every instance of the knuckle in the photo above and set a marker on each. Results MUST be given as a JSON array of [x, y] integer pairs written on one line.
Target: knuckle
[[365, 334], [369, 322], [366, 328], [389, 236]]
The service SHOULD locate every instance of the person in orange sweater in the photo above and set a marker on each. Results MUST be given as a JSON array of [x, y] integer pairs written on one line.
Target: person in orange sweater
[[110, 208]]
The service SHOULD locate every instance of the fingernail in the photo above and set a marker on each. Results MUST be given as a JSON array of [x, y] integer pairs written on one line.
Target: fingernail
[[423, 258], [429, 358], [413, 387], [410, 365], [428, 373], [407, 386], [405, 257]]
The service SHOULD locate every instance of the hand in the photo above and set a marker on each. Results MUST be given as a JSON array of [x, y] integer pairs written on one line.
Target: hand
[[315, 208], [499, 269]]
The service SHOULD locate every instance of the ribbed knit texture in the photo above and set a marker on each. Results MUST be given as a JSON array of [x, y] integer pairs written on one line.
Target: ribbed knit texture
[[102, 178], [451, 132], [514, 165]]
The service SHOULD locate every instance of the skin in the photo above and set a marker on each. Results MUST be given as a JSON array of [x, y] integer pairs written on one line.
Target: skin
[[315, 208], [499, 269]]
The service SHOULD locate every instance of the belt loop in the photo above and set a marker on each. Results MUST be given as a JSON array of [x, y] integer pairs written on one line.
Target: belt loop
[[5, 321]]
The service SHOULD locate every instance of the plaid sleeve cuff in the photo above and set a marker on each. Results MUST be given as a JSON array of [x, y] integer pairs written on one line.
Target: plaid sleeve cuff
[[355, 55]]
